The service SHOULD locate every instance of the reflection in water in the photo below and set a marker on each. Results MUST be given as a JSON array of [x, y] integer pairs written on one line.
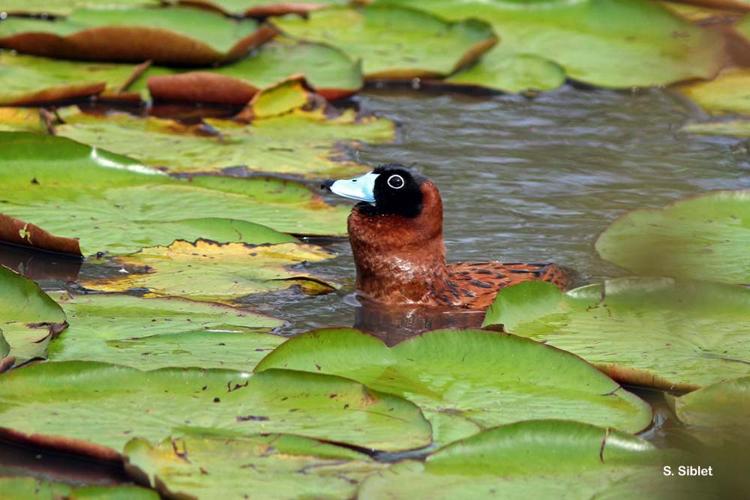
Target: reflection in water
[[40, 266]]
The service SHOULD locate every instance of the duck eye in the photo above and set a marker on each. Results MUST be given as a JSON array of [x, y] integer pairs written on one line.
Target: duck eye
[[396, 181]]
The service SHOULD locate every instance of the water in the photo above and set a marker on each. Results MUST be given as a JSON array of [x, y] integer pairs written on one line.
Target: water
[[533, 179]]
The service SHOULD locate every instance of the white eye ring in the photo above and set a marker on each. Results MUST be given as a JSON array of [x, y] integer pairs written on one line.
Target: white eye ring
[[396, 181]]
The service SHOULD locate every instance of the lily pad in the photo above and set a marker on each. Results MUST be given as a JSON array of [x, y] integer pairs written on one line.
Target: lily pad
[[115, 204], [21, 120], [263, 8], [704, 238], [277, 100], [157, 333], [302, 143], [510, 379], [644, 331], [328, 70], [28, 80], [29, 318], [209, 271], [272, 467], [718, 413], [607, 43], [395, 43], [65, 7], [727, 93], [511, 73], [23, 488], [96, 408], [534, 459], [738, 128], [180, 36]]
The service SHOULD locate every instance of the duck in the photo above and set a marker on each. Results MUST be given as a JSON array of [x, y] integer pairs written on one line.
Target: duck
[[396, 236]]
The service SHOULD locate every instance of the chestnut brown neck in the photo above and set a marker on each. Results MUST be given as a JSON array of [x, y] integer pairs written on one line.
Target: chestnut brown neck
[[400, 259]]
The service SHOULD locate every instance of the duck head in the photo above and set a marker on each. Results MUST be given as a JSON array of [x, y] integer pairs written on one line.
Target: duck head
[[396, 234]]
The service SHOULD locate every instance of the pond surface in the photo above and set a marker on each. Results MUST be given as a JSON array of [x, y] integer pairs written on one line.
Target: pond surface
[[533, 179]]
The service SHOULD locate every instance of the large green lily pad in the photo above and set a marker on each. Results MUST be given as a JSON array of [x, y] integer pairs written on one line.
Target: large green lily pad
[[644, 331], [273, 467], [395, 43], [302, 143], [115, 204], [23, 488], [328, 70], [467, 380], [263, 8], [718, 413], [727, 93], [705, 238], [156, 333], [209, 271], [28, 80], [29, 318], [511, 73], [608, 43], [534, 459], [181, 36], [96, 408], [65, 7]]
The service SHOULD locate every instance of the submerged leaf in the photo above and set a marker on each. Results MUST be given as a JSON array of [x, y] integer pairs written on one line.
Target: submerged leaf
[[273, 467], [739, 128], [96, 408], [608, 43], [705, 237], [510, 379], [643, 331], [156, 333], [29, 318], [533, 459], [302, 143], [182, 36], [209, 271], [395, 43]]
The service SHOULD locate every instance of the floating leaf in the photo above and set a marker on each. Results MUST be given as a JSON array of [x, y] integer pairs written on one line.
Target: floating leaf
[[23, 488], [608, 43], [263, 8], [719, 412], [272, 467], [180, 36], [95, 408], [206, 270], [28, 80], [65, 7], [644, 331], [395, 43], [301, 143], [727, 93], [21, 120], [157, 333], [534, 459], [510, 73], [277, 100], [510, 378], [329, 71], [114, 204], [29, 318], [739, 128], [704, 238]]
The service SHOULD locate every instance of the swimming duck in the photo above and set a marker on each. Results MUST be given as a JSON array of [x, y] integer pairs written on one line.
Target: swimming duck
[[396, 235]]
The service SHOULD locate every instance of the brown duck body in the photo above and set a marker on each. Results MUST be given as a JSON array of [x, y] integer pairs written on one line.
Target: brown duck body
[[401, 260]]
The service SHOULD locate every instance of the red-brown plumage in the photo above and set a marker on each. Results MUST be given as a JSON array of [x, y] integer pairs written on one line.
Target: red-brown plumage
[[401, 260]]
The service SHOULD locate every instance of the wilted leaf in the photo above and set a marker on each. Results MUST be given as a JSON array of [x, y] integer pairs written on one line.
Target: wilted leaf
[[510, 73], [705, 238], [534, 459], [643, 331], [95, 408], [608, 43], [508, 378], [272, 467], [156, 333], [181, 36], [301, 143], [23, 488], [115, 204], [20, 233], [728, 93], [29, 318], [209, 271], [328, 70], [395, 43]]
